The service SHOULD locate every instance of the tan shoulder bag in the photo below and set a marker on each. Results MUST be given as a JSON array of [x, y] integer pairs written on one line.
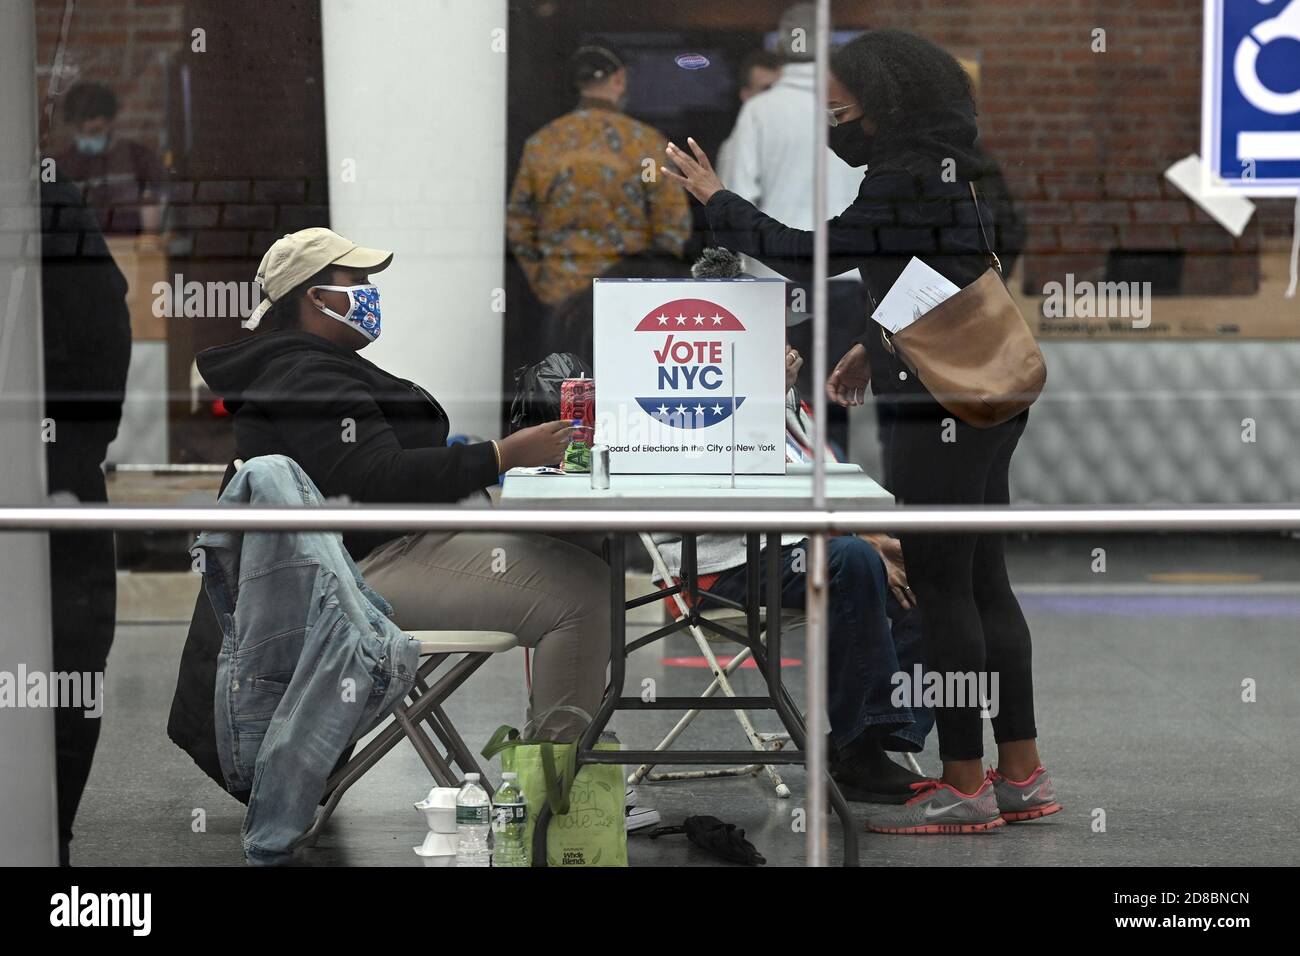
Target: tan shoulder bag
[[974, 351]]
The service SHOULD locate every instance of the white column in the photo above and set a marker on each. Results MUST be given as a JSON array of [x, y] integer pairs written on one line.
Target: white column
[[415, 118], [28, 835]]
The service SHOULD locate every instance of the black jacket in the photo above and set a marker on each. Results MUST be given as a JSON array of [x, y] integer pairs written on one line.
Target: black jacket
[[354, 428], [86, 335], [357, 431], [904, 208]]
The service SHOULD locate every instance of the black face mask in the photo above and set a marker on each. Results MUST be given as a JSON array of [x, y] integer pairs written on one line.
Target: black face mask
[[850, 143]]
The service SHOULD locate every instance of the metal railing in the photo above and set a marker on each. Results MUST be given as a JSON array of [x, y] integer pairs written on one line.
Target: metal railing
[[718, 518]]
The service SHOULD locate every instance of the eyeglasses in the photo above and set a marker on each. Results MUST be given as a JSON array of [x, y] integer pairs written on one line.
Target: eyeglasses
[[833, 113]]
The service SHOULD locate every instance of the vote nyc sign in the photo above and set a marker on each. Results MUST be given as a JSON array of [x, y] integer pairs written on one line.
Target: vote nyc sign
[[690, 375], [1250, 109]]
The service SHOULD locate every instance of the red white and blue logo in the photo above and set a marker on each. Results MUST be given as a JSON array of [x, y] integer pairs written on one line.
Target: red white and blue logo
[[691, 361]]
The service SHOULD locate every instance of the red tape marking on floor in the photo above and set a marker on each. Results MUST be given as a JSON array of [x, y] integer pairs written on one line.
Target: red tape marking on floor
[[722, 661]]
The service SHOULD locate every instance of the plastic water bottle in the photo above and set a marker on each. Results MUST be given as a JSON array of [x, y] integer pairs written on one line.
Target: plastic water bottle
[[473, 823], [509, 822]]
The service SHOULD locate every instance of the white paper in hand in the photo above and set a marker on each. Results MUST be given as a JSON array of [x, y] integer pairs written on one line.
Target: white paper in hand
[[918, 290]]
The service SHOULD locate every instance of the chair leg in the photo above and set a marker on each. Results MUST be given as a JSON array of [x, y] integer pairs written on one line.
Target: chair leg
[[438, 768], [420, 706], [456, 744], [326, 811], [911, 762], [757, 741], [350, 773], [688, 718]]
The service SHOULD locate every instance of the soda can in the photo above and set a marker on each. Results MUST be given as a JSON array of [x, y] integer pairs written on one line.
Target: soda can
[[600, 468], [578, 400]]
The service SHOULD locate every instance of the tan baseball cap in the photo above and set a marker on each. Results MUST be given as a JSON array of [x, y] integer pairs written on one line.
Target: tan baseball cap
[[298, 256]]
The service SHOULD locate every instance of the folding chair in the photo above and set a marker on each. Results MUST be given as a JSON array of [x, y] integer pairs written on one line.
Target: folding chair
[[434, 684], [423, 703], [761, 742]]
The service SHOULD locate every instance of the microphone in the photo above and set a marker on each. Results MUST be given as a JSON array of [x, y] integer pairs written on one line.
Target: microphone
[[717, 263]]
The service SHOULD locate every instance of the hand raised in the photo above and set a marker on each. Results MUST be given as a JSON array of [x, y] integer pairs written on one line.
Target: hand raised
[[696, 174]]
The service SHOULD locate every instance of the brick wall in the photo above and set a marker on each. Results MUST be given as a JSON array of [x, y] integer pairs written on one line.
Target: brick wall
[[121, 43], [244, 181], [1084, 137], [247, 167]]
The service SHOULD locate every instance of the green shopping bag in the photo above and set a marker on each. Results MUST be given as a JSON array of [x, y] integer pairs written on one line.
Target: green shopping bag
[[588, 826]]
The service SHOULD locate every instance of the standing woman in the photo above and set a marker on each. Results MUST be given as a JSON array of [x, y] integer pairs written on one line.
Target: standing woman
[[903, 107]]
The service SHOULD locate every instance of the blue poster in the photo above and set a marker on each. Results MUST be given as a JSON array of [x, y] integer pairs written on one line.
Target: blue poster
[[1251, 110]]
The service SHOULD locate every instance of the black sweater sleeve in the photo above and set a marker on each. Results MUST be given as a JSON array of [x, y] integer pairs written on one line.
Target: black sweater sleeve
[[339, 435], [858, 232]]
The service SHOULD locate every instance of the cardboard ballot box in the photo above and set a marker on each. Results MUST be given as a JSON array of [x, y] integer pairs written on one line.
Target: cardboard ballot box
[[690, 375]]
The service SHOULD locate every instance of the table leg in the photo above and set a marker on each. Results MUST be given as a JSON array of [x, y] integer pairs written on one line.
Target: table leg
[[690, 574], [753, 595], [617, 676]]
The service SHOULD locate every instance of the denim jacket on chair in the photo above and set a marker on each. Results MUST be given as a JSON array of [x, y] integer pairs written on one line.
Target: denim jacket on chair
[[310, 658]]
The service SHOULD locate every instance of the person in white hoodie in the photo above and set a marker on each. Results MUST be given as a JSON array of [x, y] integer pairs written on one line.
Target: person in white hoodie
[[759, 70], [767, 160]]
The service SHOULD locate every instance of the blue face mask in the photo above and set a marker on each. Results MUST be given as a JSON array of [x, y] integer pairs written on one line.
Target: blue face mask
[[92, 145], [363, 313]]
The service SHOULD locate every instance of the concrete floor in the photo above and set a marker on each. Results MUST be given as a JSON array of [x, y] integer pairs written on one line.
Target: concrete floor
[[1139, 677]]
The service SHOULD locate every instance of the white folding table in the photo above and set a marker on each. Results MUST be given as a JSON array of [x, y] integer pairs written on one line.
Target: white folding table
[[847, 488]]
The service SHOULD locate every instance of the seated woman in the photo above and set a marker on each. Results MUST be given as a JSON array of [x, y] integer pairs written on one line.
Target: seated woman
[[300, 389], [873, 635]]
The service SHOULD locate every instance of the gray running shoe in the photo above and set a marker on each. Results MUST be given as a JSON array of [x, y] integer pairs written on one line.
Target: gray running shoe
[[938, 808], [1029, 799]]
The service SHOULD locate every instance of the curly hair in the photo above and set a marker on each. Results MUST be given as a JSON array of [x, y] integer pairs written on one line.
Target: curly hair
[[898, 76]]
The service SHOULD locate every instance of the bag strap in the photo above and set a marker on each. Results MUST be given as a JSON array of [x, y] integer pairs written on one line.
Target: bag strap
[[530, 728], [558, 787], [504, 738], [980, 219]]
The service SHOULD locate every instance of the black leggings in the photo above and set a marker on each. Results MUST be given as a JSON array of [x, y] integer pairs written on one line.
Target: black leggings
[[972, 621]]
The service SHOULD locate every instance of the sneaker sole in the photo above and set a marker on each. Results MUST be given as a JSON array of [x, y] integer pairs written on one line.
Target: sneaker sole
[[1020, 816], [950, 828]]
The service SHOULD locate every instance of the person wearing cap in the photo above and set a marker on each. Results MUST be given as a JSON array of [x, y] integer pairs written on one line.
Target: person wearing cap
[[581, 200], [298, 388]]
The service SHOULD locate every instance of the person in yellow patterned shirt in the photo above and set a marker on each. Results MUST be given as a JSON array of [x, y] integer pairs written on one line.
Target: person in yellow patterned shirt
[[588, 192]]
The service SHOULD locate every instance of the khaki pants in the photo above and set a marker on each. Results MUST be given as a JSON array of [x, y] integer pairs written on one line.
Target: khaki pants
[[553, 595]]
